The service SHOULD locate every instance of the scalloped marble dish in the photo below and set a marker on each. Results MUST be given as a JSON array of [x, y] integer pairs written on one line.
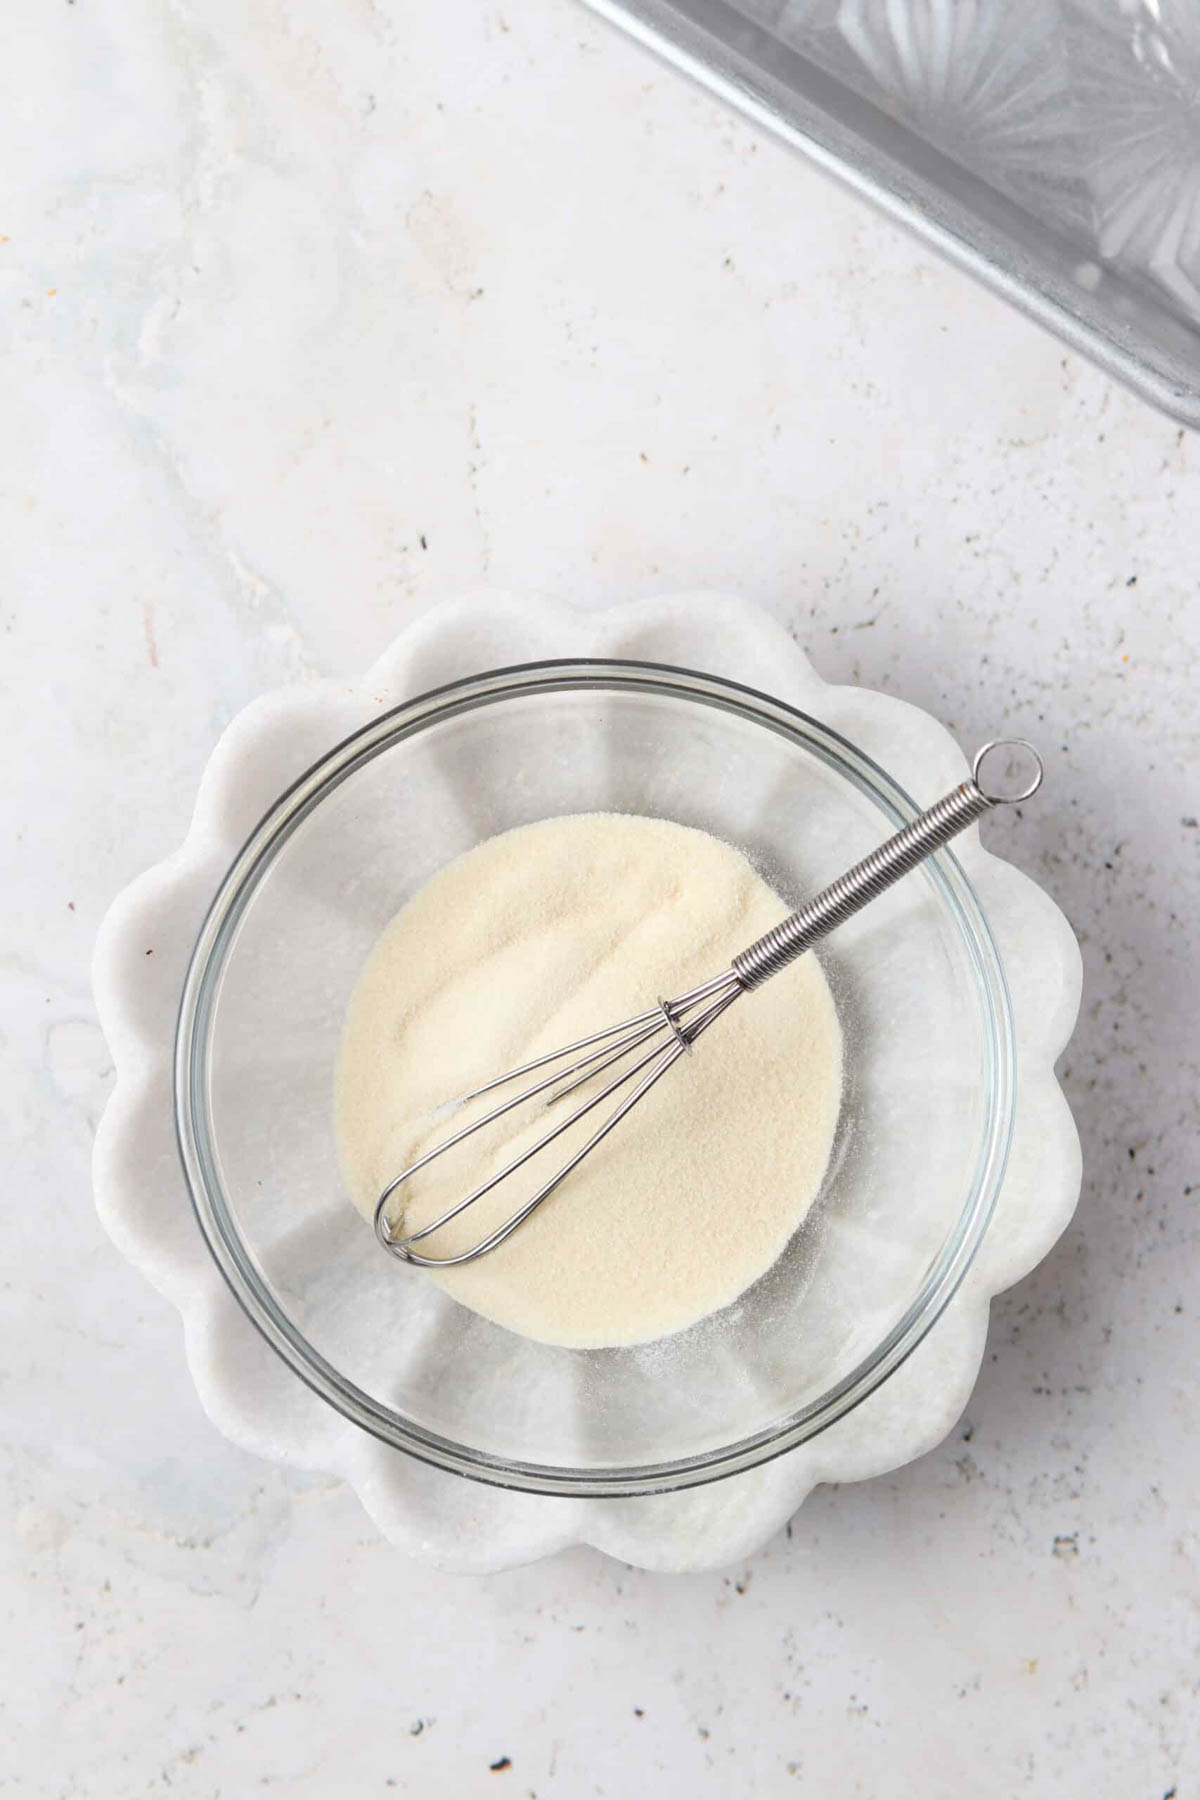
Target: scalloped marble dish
[[256, 1396]]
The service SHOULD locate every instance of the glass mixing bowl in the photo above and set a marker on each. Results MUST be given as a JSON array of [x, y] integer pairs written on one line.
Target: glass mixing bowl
[[921, 1143]]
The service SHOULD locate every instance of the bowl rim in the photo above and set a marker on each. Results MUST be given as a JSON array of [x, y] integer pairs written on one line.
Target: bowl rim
[[218, 933]]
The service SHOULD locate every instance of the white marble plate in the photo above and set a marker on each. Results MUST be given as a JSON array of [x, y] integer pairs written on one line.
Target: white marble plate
[[141, 956]]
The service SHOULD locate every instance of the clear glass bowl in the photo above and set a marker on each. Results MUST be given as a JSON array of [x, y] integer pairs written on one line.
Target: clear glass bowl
[[921, 1145]]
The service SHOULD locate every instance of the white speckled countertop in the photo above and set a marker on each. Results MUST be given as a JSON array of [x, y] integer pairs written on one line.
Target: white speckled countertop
[[323, 313]]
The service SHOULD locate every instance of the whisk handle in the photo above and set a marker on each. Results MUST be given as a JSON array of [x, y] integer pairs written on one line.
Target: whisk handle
[[892, 860]]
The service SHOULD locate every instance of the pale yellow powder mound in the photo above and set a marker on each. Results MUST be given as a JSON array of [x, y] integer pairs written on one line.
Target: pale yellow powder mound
[[539, 937]]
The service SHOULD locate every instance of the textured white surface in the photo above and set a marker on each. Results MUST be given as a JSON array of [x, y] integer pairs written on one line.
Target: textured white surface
[[264, 374]]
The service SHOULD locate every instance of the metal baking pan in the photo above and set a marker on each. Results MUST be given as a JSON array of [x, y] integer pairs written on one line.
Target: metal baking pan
[[1050, 147]]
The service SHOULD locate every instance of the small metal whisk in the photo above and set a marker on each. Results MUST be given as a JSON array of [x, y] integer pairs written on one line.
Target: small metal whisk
[[666, 1031]]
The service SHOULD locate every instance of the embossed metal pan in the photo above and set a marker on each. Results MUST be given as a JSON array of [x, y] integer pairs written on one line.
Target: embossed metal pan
[[1050, 147]]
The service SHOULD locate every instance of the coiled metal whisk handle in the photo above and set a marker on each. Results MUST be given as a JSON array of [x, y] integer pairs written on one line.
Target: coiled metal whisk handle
[[910, 846]]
